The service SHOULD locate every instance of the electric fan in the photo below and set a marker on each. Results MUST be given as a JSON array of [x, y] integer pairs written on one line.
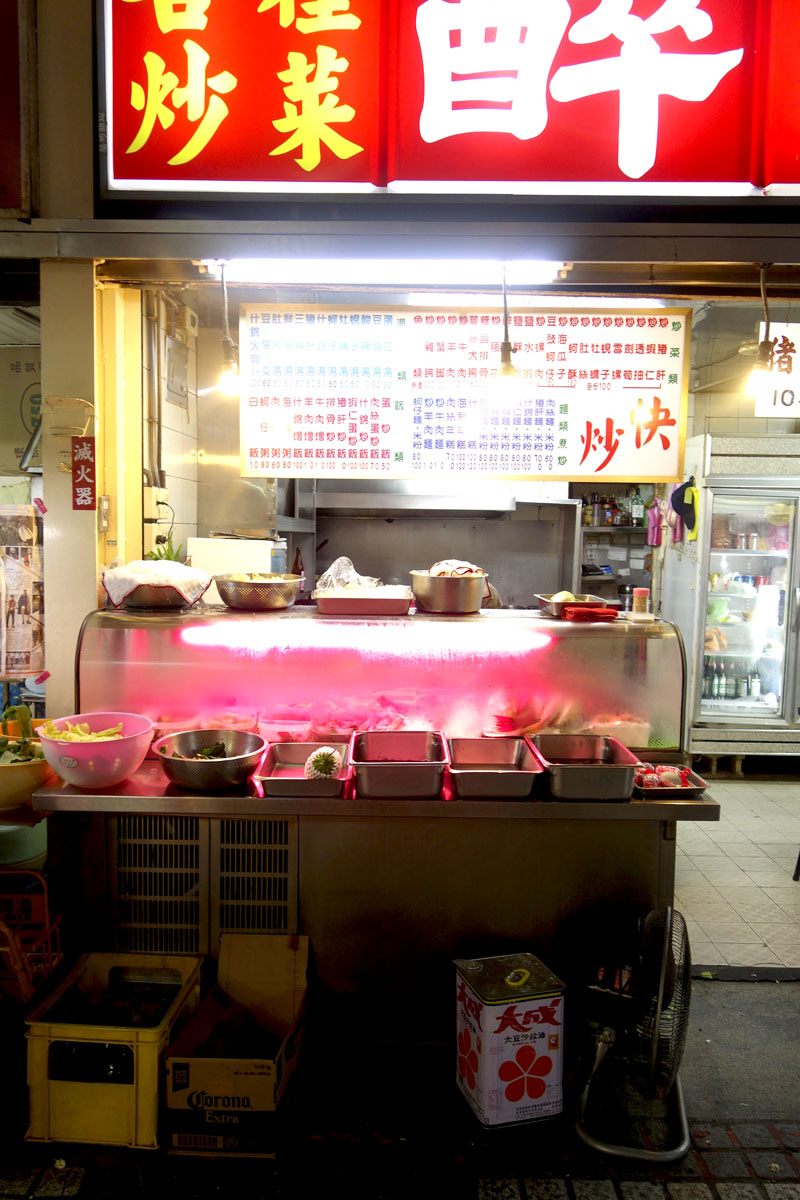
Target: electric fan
[[638, 1085]]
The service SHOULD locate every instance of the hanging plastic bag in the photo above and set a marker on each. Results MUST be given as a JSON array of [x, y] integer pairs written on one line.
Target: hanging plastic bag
[[654, 523]]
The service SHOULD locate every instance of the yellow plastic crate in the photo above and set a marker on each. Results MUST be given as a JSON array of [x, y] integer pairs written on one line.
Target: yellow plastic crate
[[99, 1082]]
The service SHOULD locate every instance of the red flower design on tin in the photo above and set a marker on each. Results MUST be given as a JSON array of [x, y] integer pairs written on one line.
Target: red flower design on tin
[[467, 1058], [523, 1074]]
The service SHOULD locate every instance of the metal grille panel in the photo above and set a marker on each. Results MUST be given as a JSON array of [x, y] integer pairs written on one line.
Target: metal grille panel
[[256, 876], [159, 881], [177, 883]]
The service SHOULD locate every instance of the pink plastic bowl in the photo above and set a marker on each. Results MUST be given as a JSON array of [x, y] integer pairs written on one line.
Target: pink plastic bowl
[[99, 764]]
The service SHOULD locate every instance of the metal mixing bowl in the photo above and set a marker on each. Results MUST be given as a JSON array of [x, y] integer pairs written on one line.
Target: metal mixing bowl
[[243, 753], [448, 593], [279, 591]]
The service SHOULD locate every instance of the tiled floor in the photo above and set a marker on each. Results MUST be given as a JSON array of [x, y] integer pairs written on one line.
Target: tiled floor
[[733, 879]]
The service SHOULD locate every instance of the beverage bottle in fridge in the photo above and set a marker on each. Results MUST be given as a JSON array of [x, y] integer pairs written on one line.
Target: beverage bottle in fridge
[[755, 681], [597, 509], [730, 680], [708, 679], [637, 508], [714, 679], [722, 681], [742, 681]]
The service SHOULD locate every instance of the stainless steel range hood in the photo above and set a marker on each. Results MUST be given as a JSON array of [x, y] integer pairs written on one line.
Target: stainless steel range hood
[[403, 498]]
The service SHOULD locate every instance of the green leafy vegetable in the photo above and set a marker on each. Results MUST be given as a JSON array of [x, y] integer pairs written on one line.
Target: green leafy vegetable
[[24, 748], [217, 750]]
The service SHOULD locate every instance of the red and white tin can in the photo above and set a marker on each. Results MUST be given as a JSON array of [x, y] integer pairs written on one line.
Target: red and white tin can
[[510, 1037]]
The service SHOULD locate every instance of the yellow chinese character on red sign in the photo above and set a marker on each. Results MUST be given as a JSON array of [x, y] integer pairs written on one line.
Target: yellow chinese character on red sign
[[178, 14], [322, 14], [311, 121], [204, 111]]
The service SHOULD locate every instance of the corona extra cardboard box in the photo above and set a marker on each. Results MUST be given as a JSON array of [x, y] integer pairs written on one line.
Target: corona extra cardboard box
[[228, 1069], [510, 1038]]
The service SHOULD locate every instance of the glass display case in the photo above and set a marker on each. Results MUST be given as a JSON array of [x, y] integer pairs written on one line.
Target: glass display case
[[295, 675]]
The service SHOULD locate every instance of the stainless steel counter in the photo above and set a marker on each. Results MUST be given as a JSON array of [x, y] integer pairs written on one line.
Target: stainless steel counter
[[149, 791], [388, 891]]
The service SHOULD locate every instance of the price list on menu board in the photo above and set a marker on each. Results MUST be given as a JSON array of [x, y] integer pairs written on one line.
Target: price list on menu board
[[390, 393]]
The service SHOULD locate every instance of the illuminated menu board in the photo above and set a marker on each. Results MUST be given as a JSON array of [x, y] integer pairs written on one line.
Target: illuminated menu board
[[391, 393]]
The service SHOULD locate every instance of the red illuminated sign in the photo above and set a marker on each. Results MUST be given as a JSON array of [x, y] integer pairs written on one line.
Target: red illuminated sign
[[10, 126], [84, 473], [529, 96]]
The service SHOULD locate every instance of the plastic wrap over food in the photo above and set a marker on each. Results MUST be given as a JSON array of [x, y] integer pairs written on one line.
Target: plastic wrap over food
[[342, 576], [120, 582], [455, 566]]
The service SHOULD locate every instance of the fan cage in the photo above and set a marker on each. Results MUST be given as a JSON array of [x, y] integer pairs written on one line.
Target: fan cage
[[661, 1001]]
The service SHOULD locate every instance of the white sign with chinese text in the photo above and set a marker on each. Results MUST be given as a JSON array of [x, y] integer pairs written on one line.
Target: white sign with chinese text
[[397, 393], [780, 395]]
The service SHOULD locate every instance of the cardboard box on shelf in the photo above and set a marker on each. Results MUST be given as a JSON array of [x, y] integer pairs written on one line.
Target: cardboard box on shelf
[[228, 1069]]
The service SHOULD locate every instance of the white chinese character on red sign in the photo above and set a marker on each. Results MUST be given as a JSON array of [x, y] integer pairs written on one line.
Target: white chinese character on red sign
[[486, 66], [642, 73], [492, 77]]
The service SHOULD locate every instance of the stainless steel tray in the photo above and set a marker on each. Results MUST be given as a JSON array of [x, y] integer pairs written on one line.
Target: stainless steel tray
[[585, 767], [405, 763], [695, 788], [499, 768], [282, 773], [554, 607]]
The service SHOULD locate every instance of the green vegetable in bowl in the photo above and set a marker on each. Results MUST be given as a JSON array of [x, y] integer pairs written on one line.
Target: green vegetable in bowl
[[22, 748], [217, 750]]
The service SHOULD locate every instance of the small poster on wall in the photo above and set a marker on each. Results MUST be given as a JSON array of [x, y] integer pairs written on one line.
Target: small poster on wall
[[21, 595]]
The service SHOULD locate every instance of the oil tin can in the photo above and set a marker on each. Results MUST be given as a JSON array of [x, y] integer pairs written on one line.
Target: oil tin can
[[510, 1038]]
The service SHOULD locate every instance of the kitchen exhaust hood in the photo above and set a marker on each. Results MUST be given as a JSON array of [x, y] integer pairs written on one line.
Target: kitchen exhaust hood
[[393, 498]]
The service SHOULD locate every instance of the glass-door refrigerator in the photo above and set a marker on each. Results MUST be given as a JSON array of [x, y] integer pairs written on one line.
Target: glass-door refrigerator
[[749, 663]]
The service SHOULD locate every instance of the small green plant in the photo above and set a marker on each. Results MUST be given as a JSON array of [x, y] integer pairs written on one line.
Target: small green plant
[[165, 549]]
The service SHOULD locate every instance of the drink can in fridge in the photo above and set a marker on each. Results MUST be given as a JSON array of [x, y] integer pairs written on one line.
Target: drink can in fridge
[[510, 1037], [752, 541], [741, 541]]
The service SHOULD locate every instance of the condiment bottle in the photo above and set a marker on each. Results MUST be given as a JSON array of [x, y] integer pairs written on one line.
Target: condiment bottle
[[641, 598]]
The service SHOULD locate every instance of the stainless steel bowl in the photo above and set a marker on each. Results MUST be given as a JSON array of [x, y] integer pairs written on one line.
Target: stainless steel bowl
[[448, 593], [243, 754], [158, 595], [278, 591]]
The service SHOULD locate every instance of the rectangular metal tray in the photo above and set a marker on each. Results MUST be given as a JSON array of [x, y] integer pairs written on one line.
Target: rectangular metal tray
[[554, 607], [406, 763], [486, 768], [697, 786], [586, 767], [282, 772], [363, 606]]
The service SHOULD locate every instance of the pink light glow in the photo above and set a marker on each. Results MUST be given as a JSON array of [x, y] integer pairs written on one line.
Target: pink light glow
[[400, 639]]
